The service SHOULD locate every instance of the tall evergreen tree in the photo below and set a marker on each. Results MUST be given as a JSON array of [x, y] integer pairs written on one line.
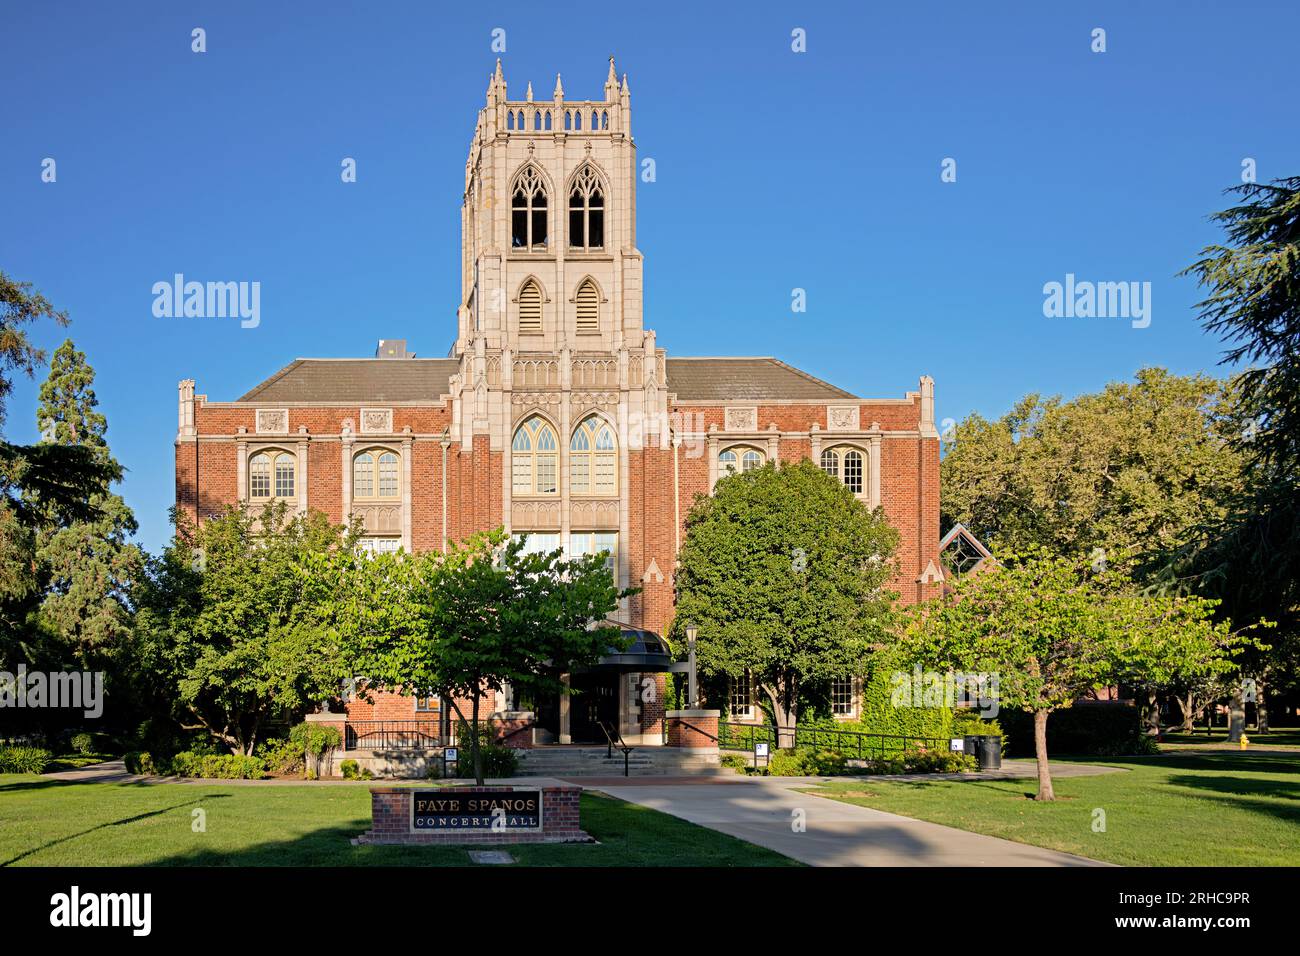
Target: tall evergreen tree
[[38, 483], [1251, 558], [86, 563]]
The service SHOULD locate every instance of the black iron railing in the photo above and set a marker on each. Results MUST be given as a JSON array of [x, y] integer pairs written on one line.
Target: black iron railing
[[392, 734], [851, 743], [616, 740]]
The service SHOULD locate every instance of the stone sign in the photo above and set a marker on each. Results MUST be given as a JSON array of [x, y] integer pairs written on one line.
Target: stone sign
[[493, 810]]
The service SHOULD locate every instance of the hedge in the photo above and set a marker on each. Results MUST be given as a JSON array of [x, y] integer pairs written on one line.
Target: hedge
[[15, 759], [1088, 730]]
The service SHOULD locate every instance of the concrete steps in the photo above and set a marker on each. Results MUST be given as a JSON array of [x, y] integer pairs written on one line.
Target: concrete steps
[[570, 761]]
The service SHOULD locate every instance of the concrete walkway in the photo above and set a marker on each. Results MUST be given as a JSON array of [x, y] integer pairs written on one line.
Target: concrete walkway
[[763, 810]]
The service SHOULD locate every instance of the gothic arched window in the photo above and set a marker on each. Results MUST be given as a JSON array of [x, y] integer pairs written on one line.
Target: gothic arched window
[[375, 474], [587, 211], [530, 307], [735, 460], [846, 465], [534, 456], [593, 458], [588, 303], [528, 211], [271, 474]]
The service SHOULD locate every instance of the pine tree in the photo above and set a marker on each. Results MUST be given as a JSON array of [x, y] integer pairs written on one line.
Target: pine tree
[[87, 564]]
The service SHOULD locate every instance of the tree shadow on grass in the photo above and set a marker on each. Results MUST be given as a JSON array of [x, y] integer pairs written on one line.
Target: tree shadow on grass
[[1258, 761], [1242, 786], [1234, 801], [136, 818]]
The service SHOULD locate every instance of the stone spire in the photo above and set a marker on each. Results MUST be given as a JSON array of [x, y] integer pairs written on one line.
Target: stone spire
[[611, 83], [529, 94], [559, 89]]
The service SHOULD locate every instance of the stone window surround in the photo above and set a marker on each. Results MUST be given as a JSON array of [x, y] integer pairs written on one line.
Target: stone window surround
[[245, 450], [353, 445]]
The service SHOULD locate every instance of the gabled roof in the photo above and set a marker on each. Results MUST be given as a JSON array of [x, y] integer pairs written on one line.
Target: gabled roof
[[413, 380], [357, 380], [750, 378]]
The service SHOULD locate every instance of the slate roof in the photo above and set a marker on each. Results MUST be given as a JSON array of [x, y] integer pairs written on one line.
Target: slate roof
[[743, 379], [364, 381], [356, 380]]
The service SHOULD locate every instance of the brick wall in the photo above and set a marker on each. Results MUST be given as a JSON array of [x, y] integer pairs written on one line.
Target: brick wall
[[390, 814]]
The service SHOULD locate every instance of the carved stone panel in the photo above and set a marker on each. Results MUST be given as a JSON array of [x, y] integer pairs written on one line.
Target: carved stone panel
[[380, 519], [593, 514], [581, 400], [843, 418], [535, 398], [273, 421], [741, 419], [528, 515], [376, 421]]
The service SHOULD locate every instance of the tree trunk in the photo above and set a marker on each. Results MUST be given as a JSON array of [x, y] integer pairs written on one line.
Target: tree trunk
[[1151, 713], [1045, 791], [1261, 707], [785, 711], [474, 749], [1236, 716], [1189, 714]]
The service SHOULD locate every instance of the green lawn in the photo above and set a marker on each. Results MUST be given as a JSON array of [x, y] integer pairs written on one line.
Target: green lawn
[[44, 823], [1281, 737], [1210, 808]]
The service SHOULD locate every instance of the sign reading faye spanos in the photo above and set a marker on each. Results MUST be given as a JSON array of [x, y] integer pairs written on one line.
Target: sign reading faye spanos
[[433, 810]]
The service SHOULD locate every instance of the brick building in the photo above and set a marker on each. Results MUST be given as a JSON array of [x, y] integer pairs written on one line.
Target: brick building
[[556, 414]]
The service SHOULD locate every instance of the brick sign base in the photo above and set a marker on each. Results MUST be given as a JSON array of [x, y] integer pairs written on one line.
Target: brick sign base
[[391, 819]]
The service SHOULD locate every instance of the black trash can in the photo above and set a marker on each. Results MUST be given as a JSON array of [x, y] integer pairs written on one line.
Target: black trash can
[[971, 745], [990, 752]]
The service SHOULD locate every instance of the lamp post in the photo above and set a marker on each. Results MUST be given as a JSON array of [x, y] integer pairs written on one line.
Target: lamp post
[[692, 692]]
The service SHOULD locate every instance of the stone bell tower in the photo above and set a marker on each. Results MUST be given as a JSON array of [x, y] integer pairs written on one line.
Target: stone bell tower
[[550, 273], [548, 224]]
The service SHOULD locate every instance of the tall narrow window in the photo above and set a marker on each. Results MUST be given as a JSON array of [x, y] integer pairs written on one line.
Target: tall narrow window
[[843, 700], [593, 458], [742, 697], [534, 457], [375, 475], [530, 307], [528, 212], [588, 301], [586, 211], [583, 543], [272, 475], [259, 477], [846, 464], [284, 469]]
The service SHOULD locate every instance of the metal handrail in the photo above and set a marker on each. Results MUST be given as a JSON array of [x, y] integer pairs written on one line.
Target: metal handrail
[[392, 734], [852, 743], [622, 745]]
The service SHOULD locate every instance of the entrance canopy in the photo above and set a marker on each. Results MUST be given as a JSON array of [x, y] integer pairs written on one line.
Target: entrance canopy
[[646, 651]]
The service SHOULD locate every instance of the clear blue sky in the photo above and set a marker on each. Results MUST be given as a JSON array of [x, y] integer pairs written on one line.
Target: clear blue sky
[[775, 170]]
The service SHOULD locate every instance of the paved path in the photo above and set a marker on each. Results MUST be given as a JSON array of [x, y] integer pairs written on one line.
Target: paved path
[[110, 771], [761, 810]]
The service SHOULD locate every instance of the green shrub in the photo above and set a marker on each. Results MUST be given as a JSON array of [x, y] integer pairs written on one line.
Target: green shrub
[[498, 761], [139, 761], [83, 744], [735, 761], [16, 759], [807, 763], [281, 756], [315, 739], [1088, 730], [352, 770], [217, 766]]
